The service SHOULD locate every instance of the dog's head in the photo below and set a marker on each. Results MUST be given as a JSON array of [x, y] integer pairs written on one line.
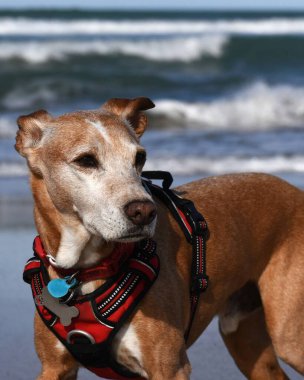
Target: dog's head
[[91, 163]]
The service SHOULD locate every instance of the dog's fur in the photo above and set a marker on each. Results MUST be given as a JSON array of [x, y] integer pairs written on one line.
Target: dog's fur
[[255, 253]]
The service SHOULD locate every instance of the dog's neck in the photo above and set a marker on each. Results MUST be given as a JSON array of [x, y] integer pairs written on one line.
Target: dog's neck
[[64, 236]]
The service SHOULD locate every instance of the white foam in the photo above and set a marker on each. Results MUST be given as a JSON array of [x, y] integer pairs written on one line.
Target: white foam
[[27, 96], [8, 127], [13, 169], [160, 50], [43, 27], [198, 165], [187, 166], [256, 107]]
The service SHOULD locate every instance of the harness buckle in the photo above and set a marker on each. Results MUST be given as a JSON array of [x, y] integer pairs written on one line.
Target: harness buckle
[[199, 224], [201, 227], [199, 283]]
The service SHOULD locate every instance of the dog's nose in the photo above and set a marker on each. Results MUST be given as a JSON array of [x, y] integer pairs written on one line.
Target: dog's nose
[[141, 212]]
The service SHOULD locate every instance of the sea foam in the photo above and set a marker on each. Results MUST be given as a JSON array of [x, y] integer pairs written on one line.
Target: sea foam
[[8, 126], [258, 106], [168, 49], [269, 26], [198, 165]]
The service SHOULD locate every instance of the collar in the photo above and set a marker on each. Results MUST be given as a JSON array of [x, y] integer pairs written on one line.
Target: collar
[[106, 268]]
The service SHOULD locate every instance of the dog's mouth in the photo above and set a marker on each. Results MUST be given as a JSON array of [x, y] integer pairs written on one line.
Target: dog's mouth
[[134, 234], [132, 237]]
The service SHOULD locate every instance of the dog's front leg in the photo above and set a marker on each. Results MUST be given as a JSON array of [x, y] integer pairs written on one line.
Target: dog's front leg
[[170, 363], [57, 363], [182, 374], [165, 372]]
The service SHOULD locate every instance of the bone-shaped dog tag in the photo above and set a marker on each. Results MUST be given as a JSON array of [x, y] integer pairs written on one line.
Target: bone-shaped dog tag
[[64, 312]]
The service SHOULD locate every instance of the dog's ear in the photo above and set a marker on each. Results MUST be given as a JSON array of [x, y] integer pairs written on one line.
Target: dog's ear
[[29, 136], [30, 131], [131, 109]]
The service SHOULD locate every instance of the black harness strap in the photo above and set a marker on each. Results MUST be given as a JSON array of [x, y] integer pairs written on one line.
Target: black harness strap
[[194, 227]]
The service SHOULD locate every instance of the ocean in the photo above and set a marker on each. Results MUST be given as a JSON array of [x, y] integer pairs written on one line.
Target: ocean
[[228, 86]]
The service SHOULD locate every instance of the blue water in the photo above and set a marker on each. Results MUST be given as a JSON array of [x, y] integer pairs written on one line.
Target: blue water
[[228, 87]]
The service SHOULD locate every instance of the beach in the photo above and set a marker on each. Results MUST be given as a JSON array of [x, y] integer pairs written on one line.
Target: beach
[[228, 89]]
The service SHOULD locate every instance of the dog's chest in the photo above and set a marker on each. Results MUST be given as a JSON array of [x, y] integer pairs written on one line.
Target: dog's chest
[[127, 350]]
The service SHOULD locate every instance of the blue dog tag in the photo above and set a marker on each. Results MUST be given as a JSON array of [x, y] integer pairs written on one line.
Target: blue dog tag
[[59, 287]]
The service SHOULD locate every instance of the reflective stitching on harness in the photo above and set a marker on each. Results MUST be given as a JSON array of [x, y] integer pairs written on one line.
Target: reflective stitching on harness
[[114, 294], [122, 297], [197, 257], [36, 284], [103, 322]]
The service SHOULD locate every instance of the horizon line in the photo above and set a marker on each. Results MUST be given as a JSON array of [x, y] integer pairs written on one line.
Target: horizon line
[[148, 9]]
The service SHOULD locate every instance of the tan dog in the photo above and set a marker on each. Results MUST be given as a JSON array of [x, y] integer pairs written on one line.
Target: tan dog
[[85, 170]]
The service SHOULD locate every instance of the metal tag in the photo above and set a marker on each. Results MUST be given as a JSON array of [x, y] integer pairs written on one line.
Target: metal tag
[[64, 312]]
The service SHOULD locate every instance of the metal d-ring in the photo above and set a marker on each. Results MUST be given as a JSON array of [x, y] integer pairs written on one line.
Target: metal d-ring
[[71, 295], [69, 279], [52, 260], [82, 333]]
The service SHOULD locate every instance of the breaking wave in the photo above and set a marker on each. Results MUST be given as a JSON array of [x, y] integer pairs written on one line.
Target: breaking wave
[[153, 49], [49, 27], [194, 165], [13, 169], [187, 166], [256, 107], [8, 126], [259, 106]]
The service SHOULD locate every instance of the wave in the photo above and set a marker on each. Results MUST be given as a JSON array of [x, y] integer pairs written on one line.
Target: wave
[[197, 165], [20, 26], [159, 50], [256, 107], [28, 96], [13, 169], [187, 166], [8, 127]]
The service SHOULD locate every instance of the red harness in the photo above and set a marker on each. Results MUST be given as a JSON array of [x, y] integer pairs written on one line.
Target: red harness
[[131, 269], [101, 313]]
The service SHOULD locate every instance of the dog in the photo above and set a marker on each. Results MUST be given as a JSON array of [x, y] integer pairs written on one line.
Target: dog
[[85, 174]]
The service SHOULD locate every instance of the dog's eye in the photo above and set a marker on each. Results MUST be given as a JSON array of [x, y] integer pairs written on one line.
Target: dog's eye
[[140, 159], [87, 161]]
